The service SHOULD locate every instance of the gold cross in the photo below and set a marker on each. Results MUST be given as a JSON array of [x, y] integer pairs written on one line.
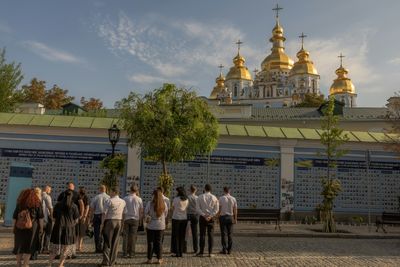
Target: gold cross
[[341, 59], [220, 68], [238, 44], [276, 9], [302, 36]]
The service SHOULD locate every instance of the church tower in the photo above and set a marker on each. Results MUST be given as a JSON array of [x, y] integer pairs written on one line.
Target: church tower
[[220, 91], [238, 79], [272, 81], [343, 88], [303, 77]]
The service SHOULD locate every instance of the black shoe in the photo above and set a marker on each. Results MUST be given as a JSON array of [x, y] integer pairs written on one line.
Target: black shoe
[[98, 251], [229, 252], [74, 257], [125, 256], [57, 257], [199, 255], [223, 252]]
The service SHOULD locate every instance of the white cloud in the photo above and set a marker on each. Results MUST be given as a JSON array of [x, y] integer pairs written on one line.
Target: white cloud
[[145, 79], [52, 54], [395, 61]]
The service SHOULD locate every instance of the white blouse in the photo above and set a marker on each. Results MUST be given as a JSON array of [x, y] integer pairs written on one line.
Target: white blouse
[[180, 209]]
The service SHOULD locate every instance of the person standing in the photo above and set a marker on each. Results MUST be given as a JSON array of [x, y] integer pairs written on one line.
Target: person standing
[[79, 203], [97, 209], [228, 217], [48, 218], [36, 242], [179, 221], [84, 221], [63, 237], [207, 208], [133, 213], [27, 218], [193, 217], [111, 227], [156, 213]]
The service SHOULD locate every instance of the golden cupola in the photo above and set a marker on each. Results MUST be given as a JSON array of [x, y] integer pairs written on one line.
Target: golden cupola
[[342, 84], [219, 86], [238, 71], [304, 65], [277, 60]]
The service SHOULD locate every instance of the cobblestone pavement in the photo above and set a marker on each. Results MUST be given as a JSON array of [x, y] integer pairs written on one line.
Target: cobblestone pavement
[[251, 251]]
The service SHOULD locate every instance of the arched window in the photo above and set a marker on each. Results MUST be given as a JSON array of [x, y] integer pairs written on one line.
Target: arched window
[[235, 91]]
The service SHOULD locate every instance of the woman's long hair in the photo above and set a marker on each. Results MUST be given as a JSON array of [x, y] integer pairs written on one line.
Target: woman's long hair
[[28, 199], [66, 202], [181, 193], [158, 202]]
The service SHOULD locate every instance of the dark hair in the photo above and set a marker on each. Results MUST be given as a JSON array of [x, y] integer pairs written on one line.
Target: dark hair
[[226, 189], [134, 188], [192, 188], [207, 187], [114, 190], [82, 191], [28, 199], [67, 201], [181, 193]]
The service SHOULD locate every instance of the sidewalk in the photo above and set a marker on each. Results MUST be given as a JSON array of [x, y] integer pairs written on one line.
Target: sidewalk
[[290, 229]]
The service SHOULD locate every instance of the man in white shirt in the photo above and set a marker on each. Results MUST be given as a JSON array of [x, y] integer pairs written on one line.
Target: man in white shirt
[[207, 208], [111, 226], [97, 210], [228, 217], [133, 213]]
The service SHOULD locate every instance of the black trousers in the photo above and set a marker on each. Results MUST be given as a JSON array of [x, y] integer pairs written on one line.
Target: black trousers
[[48, 227], [154, 243], [209, 227], [226, 226], [178, 236], [194, 224], [98, 239]]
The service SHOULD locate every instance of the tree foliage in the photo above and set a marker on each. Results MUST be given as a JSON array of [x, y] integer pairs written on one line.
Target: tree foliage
[[56, 97], [332, 138], [35, 91], [169, 124], [311, 100], [91, 104], [115, 167], [10, 78]]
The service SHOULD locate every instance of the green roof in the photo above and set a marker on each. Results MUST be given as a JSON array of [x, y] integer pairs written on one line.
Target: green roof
[[224, 129]]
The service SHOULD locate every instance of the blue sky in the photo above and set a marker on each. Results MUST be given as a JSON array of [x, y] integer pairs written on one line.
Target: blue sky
[[106, 49]]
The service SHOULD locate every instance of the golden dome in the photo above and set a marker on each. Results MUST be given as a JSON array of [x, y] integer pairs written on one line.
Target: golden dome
[[278, 58], [342, 84], [304, 65], [219, 87], [239, 70]]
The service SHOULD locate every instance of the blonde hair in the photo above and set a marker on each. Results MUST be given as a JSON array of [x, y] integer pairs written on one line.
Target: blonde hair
[[38, 192]]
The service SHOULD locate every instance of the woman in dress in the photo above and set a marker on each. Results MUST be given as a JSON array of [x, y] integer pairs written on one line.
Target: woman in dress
[[179, 222], [84, 221], [156, 211], [63, 236], [27, 224]]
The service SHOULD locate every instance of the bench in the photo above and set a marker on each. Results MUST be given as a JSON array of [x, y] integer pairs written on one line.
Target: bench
[[387, 218], [261, 215]]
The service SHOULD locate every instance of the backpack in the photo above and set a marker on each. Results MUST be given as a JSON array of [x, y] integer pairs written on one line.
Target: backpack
[[24, 220]]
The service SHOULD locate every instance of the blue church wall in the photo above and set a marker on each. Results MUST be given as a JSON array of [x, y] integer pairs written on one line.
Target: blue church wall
[[56, 160], [375, 190], [252, 172]]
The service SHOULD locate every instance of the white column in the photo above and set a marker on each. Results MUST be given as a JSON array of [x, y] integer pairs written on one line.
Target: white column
[[287, 175], [133, 162]]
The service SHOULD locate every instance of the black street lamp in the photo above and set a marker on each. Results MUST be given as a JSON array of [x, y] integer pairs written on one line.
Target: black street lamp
[[113, 137]]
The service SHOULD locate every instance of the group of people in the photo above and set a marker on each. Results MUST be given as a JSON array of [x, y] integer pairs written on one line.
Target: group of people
[[59, 231]]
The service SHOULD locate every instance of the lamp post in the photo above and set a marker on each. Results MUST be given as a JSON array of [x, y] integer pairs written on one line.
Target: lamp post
[[113, 137]]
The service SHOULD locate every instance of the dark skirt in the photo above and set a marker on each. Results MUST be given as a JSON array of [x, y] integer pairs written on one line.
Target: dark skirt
[[25, 240], [82, 228], [63, 235]]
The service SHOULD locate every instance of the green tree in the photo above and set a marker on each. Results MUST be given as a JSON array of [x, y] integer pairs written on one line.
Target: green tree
[[10, 78], [169, 124], [311, 100], [115, 167], [332, 138], [56, 97], [35, 91]]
